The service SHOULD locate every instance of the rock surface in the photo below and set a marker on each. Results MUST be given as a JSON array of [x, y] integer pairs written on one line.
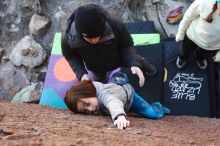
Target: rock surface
[[36, 125]]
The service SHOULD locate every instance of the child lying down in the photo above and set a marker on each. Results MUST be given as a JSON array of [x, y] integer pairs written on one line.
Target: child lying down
[[90, 97]]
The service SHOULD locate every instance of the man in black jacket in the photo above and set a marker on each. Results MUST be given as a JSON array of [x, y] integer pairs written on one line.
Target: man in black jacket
[[100, 42]]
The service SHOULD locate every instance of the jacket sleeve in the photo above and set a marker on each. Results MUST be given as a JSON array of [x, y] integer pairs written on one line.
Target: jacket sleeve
[[115, 106], [192, 13], [125, 45], [73, 58], [109, 99]]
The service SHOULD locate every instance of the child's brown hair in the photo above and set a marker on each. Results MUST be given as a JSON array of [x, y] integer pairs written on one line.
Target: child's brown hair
[[79, 90], [214, 8]]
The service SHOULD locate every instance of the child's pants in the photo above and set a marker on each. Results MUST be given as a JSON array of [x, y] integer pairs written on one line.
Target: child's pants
[[155, 110]]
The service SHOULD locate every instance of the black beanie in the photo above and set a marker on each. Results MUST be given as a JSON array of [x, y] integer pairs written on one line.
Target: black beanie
[[89, 22]]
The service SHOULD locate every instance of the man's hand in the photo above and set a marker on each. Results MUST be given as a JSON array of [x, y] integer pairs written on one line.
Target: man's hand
[[137, 71], [121, 122], [85, 77]]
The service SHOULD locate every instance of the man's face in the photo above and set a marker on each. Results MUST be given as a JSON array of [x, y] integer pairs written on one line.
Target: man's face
[[88, 105], [94, 40]]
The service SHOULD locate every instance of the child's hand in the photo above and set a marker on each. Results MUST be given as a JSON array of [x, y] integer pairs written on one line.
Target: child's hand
[[121, 122]]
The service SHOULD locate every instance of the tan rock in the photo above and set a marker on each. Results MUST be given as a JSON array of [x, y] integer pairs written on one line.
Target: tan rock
[[39, 25]]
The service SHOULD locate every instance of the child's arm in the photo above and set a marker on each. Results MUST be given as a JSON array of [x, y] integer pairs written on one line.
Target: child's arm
[[115, 106], [191, 13], [113, 98], [116, 109]]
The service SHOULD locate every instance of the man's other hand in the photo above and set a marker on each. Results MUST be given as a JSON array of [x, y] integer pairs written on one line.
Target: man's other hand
[[137, 71]]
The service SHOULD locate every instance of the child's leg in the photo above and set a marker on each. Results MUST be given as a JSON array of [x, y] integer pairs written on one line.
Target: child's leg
[[154, 111]]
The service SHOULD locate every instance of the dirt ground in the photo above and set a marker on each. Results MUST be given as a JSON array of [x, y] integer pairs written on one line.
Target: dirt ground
[[36, 125]]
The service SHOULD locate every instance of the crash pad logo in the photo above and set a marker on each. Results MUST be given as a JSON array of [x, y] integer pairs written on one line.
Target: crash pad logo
[[185, 86]]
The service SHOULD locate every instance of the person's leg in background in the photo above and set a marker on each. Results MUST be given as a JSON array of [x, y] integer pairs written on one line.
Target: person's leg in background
[[201, 58], [142, 107], [186, 49]]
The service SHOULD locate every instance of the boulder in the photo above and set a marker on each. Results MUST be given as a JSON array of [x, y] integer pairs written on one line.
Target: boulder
[[12, 81], [28, 53], [28, 94]]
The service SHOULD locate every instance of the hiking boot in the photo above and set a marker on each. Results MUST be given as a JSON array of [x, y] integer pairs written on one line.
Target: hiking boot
[[180, 63], [201, 64], [148, 68]]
